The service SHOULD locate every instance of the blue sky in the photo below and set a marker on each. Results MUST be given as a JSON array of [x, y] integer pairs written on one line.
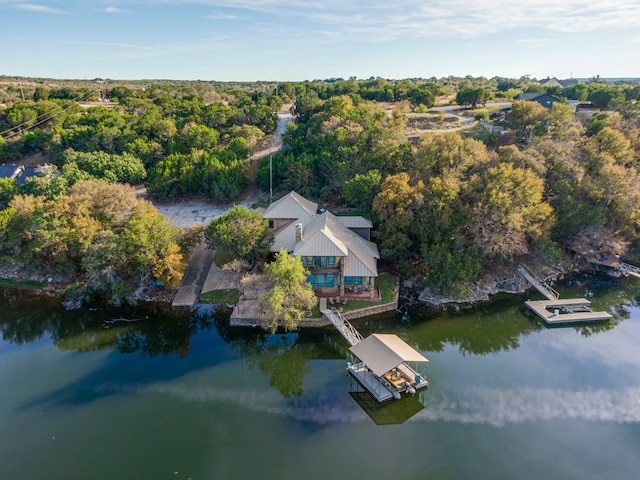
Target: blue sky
[[316, 39]]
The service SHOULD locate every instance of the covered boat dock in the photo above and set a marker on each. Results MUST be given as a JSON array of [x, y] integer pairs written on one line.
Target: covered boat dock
[[383, 366]]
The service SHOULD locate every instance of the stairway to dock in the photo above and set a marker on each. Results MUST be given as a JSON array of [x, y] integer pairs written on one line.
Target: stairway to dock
[[629, 269], [548, 292], [343, 326]]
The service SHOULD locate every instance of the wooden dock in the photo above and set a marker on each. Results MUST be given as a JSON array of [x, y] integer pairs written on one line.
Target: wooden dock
[[568, 311]]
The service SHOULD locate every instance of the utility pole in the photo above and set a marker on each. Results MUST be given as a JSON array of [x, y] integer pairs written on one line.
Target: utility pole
[[270, 178]]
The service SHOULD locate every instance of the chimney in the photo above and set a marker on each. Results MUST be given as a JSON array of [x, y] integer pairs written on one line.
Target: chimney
[[298, 232]]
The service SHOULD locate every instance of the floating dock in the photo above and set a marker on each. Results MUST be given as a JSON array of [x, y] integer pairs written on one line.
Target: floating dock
[[559, 312], [562, 312]]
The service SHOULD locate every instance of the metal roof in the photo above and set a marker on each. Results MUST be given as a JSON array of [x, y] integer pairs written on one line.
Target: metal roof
[[9, 171], [354, 222], [324, 235], [382, 352], [293, 206]]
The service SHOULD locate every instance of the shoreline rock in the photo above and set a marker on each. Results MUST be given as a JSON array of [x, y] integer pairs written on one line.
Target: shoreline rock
[[484, 288]]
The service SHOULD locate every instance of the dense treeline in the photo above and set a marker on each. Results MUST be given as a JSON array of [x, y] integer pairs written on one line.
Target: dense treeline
[[446, 206], [98, 233], [450, 206], [169, 133]]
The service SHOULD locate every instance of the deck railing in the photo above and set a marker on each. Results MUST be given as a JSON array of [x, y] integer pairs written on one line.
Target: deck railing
[[539, 285], [347, 330]]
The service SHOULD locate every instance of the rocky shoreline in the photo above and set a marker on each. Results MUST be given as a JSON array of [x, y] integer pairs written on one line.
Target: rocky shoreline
[[411, 294], [479, 291], [55, 285]]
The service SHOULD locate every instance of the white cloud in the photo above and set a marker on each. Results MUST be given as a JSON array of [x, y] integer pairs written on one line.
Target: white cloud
[[534, 42], [415, 18], [221, 16], [30, 7], [115, 10]]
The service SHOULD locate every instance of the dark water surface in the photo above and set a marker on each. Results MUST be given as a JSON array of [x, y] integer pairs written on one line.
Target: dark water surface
[[181, 395]]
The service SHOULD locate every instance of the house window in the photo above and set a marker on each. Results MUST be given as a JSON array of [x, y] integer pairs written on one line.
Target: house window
[[311, 279], [348, 280], [309, 261], [330, 282], [270, 223], [320, 280], [332, 261]]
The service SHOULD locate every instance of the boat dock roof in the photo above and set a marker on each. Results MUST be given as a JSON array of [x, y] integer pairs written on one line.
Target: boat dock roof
[[383, 352]]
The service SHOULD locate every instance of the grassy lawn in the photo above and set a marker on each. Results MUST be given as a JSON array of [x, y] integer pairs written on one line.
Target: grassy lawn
[[229, 296], [486, 110], [386, 284], [5, 282]]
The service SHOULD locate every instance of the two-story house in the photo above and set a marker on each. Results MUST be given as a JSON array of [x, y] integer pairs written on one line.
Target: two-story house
[[335, 249]]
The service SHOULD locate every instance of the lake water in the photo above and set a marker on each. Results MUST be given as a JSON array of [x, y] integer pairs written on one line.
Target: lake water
[[181, 395]]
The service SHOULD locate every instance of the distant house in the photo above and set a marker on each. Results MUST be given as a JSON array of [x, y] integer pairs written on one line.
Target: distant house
[[19, 172], [335, 249], [554, 82], [543, 99]]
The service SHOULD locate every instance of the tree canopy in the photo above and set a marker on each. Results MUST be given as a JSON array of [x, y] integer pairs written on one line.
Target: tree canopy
[[241, 231], [290, 297]]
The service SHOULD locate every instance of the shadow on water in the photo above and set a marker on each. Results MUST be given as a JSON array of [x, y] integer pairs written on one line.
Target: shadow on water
[[390, 413]]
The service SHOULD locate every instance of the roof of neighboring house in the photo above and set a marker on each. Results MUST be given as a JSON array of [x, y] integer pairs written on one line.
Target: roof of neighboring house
[[325, 235], [355, 222], [530, 96], [550, 82], [382, 352], [9, 171], [19, 172], [542, 98], [291, 206], [554, 82]]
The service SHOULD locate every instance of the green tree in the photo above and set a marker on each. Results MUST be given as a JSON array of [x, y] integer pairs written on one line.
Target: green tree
[[395, 207], [291, 295], [614, 143], [9, 188], [111, 167], [362, 189], [241, 231], [471, 97], [605, 96], [509, 213], [526, 119]]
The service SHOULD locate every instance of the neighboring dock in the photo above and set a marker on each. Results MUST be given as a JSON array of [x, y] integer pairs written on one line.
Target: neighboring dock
[[559, 312], [569, 311]]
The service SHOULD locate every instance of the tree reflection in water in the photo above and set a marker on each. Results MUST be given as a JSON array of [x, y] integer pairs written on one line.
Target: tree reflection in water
[[166, 331]]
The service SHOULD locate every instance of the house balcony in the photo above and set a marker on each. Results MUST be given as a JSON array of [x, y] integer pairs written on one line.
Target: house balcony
[[360, 294]]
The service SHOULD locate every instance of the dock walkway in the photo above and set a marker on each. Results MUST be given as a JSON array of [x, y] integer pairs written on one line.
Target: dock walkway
[[537, 283], [343, 326], [560, 312]]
